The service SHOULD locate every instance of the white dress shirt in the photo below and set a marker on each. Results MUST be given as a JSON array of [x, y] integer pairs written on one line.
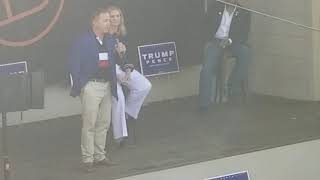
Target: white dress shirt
[[99, 40], [224, 28]]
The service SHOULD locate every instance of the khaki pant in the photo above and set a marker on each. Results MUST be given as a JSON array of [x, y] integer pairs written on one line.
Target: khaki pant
[[96, 115]]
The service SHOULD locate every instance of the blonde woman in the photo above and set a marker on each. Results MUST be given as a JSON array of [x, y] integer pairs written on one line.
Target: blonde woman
[[139, 87]]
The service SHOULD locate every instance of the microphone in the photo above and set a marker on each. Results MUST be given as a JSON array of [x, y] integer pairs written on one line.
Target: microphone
[[121, 54]]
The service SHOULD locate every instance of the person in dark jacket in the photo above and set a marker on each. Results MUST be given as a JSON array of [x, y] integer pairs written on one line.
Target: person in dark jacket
[[229, 28]]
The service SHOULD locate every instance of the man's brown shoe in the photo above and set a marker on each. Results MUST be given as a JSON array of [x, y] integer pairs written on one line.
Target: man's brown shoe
[[104, 162], [88, 167]]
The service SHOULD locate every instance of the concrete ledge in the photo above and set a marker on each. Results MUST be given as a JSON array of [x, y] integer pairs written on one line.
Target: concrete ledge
[[171, 86], [58, 103]]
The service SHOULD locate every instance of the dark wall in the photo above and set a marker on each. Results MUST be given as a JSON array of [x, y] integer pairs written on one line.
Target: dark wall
[[148, 21]]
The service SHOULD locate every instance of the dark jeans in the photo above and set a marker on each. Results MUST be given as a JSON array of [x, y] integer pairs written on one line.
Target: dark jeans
[[213, 54]]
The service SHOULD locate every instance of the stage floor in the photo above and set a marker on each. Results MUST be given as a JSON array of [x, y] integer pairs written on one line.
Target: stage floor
[[170, 134]]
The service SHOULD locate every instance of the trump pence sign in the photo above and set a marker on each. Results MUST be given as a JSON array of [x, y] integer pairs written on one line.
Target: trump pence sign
[[235, 176], [14, 68], [157, 59]]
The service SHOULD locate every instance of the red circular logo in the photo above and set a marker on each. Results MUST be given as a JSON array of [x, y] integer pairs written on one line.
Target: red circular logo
[[11, 18]]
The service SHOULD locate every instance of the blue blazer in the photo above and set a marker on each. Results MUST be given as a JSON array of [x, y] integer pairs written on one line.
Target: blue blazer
[[84, 59]]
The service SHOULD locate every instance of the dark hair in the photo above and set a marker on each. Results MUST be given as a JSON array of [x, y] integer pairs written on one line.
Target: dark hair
[[97, 13]]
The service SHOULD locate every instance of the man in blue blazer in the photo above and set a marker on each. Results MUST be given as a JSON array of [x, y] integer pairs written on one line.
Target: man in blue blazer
[[228, 30], [92, 68]]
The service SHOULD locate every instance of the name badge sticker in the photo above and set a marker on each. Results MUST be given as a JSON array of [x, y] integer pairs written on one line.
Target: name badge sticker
[[103, 56]]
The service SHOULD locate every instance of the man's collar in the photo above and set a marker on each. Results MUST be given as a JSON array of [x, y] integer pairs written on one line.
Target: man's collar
[[234, 10]]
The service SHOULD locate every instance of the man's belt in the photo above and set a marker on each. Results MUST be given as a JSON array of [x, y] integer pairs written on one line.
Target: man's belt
[[98, 80]]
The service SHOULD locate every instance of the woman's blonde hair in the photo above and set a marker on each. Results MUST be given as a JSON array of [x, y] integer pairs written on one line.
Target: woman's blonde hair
[[121, 30]]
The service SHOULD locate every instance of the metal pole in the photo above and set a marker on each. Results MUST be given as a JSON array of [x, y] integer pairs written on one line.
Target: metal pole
[[6, 162], [205, 6], [271, 16]]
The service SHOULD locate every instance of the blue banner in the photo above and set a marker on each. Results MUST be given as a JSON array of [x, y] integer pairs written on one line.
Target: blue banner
[[13, 68], [236, 176], [157, 59]]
